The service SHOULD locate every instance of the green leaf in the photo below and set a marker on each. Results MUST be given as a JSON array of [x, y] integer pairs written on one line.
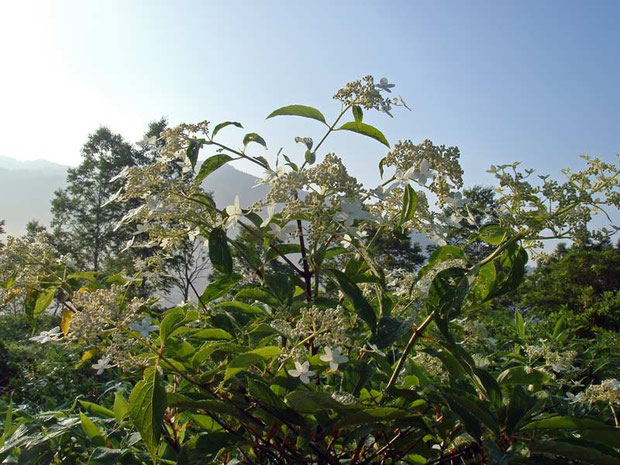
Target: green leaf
[[410, 204], [310, 157], [282, 286], [366, 130], [243, 361], [211, 164], [442, 254], [593, 430], [213, 334], [519, 375], [147, 404], [485, 282], [389, 331], [353, 293], [310, 402], [223, 125], [494, 234], [372, 415], [220, 287], [203, 448], [299, 110], [253, 137], [173, 319], [91, 430], [520, 324], [358, 114], [121, 407], [192, 150], [44, 300], [581, 453], [96, 410], [257, 294], [219, 252]]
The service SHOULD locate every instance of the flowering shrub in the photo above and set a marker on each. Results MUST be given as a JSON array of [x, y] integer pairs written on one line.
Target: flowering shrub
[[303, 349]]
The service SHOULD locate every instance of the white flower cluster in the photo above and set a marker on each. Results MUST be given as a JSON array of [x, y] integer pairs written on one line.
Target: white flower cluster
[[558, 361], [328, 325], [608, 392], [102, 309]]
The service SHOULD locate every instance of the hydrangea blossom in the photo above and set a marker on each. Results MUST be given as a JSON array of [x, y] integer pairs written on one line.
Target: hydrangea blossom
[[334, 357], [54, 334], [144, 327], [302, 371], [234, 213], [102, 364]]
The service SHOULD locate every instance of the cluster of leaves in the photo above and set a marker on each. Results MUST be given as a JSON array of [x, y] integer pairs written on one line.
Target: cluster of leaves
[[255, 374]]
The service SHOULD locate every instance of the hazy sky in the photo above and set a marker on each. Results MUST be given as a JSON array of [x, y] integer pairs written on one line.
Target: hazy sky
[[534, 81]]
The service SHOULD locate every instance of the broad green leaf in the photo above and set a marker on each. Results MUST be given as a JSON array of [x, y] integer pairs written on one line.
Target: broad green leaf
[[310, 157], [485, 282], [389, 331], [366, 130], [243, 361], [512, 263], [310, 402], [271, 402], [223, 125], [358, 113], [299, 110], [282, 286], [211, 164], [410, 204], [257, 294], [147, 404], [91, 430], [571, 451], [588, 428], [203, 448], [519, 375], [219, 252], [44, 300], [212, 334], [360, 304], [240, 306], [494, 234], [193, 149], [520, 324], [121, 407], [372, 415], [442, 254], [173, 319], [253, 137], [96, 410], [220, 287], [184, 402]]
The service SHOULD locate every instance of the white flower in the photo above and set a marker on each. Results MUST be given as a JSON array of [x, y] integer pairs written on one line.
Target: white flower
[[575, 399], [456, 200], [54, 334], [351, 211], [144, 328], [234, 213], [384, 85], [282, 233], [102, 364], [334, 357], [346, 241], [302, 371], [375, 349], [269, 177], [271, 210]]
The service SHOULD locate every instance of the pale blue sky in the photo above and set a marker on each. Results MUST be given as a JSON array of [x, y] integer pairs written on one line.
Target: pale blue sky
[[534, 81]]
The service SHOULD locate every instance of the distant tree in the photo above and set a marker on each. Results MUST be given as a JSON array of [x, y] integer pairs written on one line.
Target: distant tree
[[394, 250], [480, 206], [83, 223], [34, 228], [1, 230]]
